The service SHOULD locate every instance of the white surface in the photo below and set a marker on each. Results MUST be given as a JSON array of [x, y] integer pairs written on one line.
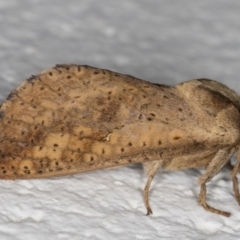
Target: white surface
[[160, 41]]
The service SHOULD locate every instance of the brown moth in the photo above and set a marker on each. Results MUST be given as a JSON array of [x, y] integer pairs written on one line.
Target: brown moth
[[71, 119]]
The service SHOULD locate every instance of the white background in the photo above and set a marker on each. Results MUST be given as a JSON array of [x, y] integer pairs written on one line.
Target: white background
[[156, 40]]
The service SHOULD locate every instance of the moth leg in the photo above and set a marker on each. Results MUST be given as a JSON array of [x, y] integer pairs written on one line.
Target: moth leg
[[234, 172], [202, 201], [151, 169], [217, 163]]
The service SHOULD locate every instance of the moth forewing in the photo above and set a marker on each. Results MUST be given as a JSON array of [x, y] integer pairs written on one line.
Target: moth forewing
[[71, 119]]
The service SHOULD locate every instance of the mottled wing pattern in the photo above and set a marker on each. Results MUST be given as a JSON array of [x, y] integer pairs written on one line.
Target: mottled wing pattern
[[73, 118]]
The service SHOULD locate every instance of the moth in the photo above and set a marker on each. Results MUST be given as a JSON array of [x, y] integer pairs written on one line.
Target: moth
[[70, 119]]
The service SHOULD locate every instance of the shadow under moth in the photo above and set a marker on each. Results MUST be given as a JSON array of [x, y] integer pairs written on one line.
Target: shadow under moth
[[71, 118]]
